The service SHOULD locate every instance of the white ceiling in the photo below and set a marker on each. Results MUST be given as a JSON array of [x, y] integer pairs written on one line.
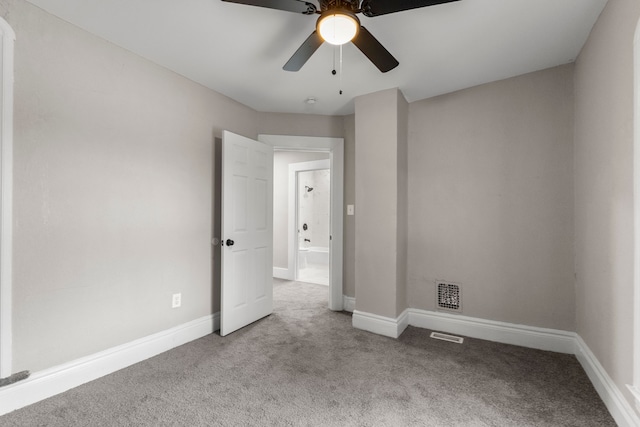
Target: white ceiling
[[239, 50]]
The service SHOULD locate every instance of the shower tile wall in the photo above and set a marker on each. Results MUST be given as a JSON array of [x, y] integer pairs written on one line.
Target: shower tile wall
[[314, 207]]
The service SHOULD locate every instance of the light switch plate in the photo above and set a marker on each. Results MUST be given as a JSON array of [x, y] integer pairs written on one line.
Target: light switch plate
[[350, 209]]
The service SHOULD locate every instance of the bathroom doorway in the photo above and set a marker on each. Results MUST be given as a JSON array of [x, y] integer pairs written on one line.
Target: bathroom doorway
[[302, 216], [330, 150], [312, 222]]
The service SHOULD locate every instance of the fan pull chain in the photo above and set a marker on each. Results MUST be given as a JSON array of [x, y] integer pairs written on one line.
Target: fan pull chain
[[333, 71], [340, 69]]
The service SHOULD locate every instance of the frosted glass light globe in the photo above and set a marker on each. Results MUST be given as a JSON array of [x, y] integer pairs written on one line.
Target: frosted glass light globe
[[338, 28]]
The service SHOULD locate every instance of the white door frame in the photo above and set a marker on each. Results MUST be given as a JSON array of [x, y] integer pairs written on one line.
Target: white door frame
[[294, 168], [6, 196], [635, 387], [335, 148]]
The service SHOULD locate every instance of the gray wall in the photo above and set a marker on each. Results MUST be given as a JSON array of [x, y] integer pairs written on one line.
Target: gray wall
[[402, 208], [376, 234], [604, 190], [348, 255], [114, 190], [113, 199], [300, 124], [491, 199], [113, 168], [281, 162]]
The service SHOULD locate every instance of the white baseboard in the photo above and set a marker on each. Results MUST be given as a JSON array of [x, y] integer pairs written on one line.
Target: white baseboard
[[282, 273], [348, 303], [216, 321], [508, 333], [380, 325], [49, 382], [635, 391], [490, 330], [620, 409], [403, 321]]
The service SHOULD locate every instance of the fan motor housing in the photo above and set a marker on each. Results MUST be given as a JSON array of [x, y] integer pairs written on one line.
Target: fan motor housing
[[350, 5]]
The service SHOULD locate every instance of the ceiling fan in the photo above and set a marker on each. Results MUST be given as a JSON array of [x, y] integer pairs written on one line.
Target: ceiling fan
[[338, 24]]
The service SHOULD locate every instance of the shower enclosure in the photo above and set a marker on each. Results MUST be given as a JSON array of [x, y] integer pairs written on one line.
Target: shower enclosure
[[313, 214]]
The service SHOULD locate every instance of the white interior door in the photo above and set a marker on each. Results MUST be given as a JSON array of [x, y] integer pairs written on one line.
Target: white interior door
[[247, 232]]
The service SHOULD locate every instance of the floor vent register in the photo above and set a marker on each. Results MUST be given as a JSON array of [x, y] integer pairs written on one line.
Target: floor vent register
[[447, 337]]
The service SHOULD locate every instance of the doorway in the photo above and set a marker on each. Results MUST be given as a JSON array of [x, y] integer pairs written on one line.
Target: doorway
[[635, 387], [335, 149]]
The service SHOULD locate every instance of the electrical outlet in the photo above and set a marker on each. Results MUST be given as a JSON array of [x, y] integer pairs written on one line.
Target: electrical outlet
[[176, 300]]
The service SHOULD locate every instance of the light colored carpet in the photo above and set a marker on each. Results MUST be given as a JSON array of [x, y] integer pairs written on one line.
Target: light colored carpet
[[306, 366]]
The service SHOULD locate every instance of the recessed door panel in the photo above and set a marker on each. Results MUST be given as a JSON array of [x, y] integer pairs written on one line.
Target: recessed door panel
[[239, 197], [261, 204], [259, 289], [241, 271]]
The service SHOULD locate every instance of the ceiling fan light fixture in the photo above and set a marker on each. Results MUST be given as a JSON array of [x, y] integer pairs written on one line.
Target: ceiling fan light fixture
[[338, 27]]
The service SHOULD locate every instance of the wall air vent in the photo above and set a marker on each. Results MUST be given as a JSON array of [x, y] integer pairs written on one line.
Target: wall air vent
[[449, 296]]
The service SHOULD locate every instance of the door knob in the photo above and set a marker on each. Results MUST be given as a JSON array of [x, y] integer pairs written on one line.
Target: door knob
[[230, 242]]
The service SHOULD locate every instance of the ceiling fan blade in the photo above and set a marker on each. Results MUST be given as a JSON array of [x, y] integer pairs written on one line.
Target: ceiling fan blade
[[287, 5], [373, 50], [373, 8], [304, 52]]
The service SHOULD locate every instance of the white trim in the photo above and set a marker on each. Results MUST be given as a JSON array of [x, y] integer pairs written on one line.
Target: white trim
[[348, 303], [216, 321], [635, 391], [58, 379], [6, 198], [490, 330], [335, 148], [292, 199], [50, 382], [283, 273], [508, 333], [610, 394], [403, 321], [380, 325], [636, 209]]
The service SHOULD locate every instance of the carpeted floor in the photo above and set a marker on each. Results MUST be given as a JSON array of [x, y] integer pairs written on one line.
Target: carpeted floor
[[306, 366]]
